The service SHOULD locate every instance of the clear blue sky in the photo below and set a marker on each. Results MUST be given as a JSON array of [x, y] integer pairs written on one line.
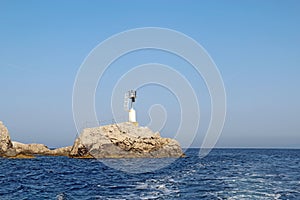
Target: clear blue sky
[[255, 44]]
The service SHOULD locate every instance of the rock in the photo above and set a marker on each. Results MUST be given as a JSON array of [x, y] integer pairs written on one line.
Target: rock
[[63, 151], [5, 142], [78, 150], [10, 153], [40, 149], [37, 149], [124, 140], [11, 149]]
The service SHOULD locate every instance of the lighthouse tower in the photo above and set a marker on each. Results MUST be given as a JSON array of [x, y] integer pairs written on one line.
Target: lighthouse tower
[[129, 100]]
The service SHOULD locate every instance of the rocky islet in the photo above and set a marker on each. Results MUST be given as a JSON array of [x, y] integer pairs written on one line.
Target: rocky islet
[[123, 140]]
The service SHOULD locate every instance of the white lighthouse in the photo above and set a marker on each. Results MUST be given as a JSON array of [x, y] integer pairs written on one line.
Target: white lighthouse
[[129, 100], [132, 115]]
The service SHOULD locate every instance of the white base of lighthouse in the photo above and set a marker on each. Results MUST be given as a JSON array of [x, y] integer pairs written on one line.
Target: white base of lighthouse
[[132, 115]]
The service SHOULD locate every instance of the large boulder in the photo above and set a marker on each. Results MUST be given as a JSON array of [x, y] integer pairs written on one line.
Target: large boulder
[[124, 140], [5, 142]]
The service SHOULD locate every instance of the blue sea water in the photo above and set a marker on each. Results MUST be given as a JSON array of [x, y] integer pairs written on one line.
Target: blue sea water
[[223, 174]]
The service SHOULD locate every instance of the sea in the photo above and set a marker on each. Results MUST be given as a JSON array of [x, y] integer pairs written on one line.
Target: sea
[[223, 174]]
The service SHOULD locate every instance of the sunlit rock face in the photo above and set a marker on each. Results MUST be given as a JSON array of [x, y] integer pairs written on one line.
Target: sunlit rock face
[[124, 140], [5, 142]]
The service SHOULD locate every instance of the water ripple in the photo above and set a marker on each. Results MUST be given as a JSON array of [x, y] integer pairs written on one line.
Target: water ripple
[[224, 174]]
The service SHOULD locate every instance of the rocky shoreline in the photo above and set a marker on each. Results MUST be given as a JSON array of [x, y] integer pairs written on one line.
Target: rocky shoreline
[[124, 140]]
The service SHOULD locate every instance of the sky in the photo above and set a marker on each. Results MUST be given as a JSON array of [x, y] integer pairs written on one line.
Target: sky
[[255, 45]]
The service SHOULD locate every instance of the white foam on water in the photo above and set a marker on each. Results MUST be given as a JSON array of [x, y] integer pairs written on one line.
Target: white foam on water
[[142, 186]]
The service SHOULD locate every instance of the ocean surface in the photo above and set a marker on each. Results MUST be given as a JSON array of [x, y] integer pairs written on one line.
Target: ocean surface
[[223, 174]]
